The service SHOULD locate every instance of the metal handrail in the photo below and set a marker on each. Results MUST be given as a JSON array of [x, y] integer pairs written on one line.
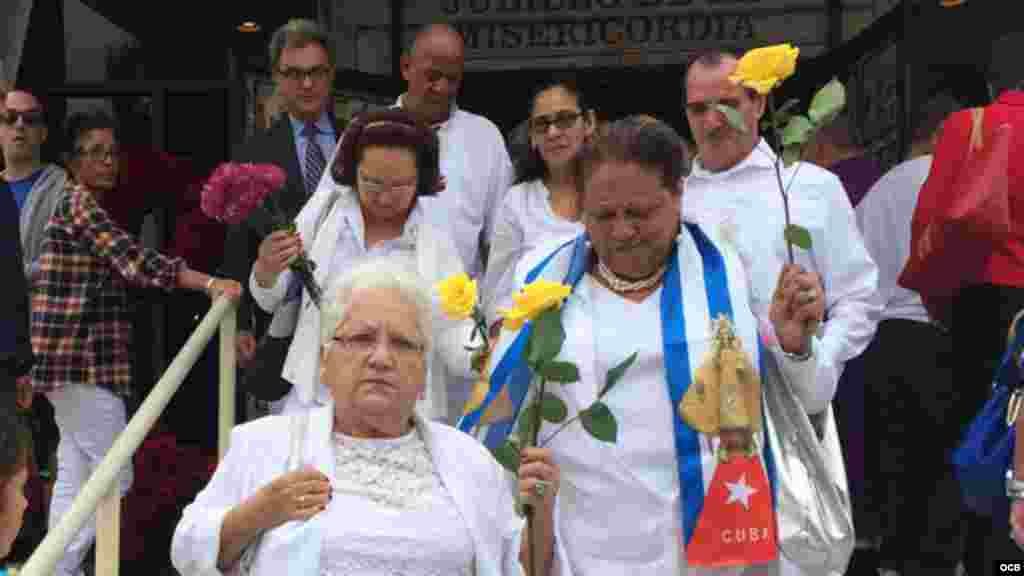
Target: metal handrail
[[102, 484]]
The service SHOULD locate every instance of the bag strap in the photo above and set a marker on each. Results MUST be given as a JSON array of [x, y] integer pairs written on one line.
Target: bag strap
[[977, 141], [335, 194]]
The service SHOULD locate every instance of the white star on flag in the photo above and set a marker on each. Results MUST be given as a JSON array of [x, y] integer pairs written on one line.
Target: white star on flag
[[740, 492]]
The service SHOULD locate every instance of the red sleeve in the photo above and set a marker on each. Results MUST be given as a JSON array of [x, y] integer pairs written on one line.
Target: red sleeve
[[937, 193]]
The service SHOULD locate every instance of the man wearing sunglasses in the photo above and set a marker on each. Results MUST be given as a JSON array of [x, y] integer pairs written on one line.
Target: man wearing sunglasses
[[15, 347], [36, 186]]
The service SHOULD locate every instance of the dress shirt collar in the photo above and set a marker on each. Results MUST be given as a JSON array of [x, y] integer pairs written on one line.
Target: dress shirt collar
[[441, 126], [760, 158], [323, 124]]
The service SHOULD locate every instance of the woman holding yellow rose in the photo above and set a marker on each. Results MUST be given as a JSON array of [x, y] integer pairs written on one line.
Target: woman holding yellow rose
[[378, 201], [643, 492]]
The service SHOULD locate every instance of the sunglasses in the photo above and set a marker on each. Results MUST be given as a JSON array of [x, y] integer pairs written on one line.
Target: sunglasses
[[28, 117], [563, 121]]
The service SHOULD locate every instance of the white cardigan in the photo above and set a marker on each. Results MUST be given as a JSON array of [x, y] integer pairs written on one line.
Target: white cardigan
[[259, 453], [436, 258]]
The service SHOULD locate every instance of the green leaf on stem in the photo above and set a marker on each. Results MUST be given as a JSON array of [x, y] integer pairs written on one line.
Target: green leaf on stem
[[733, 118], [526, 418], [599, 421], [787, 106], [797, 131], [827, 103], [615, 374], [561, 372], [799, 236], [508, 456], [553, 409], [792, 155], [546, 338]]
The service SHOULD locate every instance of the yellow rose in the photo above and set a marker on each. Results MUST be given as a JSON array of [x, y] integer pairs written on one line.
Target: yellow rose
[[765, 68], [458, 296], [533, 299]]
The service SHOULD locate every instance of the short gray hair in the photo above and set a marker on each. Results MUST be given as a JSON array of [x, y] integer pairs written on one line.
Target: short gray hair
[[393, 272], [297, 33]]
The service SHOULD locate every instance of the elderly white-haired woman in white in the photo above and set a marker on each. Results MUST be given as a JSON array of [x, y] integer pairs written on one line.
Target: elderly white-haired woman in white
[[377, 489]]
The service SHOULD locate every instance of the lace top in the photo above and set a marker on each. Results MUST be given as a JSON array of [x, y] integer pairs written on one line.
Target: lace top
[[390, 514]]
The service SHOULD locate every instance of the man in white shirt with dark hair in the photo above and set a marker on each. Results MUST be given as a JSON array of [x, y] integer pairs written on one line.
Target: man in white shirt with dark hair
[[733, 188], [908, 381]]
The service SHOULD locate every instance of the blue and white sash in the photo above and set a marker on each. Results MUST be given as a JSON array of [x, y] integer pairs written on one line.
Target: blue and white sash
[[512, 374]]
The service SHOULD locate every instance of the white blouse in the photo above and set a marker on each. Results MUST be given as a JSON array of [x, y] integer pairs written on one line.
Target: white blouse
[[391, 514], [645, 446], [340, 243], [525, 221]]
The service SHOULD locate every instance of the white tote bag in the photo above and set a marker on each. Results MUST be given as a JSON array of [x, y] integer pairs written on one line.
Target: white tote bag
[[815, 519]]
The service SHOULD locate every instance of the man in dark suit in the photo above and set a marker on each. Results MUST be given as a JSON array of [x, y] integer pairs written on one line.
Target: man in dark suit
[[302, 60]]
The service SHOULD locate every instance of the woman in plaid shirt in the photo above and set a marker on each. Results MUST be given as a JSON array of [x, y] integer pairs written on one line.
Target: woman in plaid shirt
[[81, 317]]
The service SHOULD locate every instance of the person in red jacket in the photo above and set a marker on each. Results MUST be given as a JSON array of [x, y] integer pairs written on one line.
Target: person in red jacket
[[979, 313]]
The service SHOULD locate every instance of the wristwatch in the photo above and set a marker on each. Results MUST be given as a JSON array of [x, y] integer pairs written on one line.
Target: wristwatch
[[1014, 487]]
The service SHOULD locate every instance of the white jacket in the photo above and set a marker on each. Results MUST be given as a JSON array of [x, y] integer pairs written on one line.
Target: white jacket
[[259, 453], [435, 259]]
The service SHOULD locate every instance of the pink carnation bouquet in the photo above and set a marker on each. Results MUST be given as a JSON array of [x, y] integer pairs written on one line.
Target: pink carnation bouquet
[[237, 193]]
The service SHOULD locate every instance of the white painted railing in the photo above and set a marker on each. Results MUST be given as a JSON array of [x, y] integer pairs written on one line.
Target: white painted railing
[[100, 492]]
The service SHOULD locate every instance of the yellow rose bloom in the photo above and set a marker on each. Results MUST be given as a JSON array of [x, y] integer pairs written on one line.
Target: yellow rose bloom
[[458, 296], [765, 68], [533, 299]]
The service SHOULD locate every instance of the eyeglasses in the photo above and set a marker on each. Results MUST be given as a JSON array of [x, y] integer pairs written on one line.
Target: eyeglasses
[[28, 117], [376, 187], [364, 343], [317, 73], [99, 154], [562, 120]]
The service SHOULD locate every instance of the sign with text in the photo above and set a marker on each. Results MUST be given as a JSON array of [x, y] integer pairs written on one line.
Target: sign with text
[[502, 34]]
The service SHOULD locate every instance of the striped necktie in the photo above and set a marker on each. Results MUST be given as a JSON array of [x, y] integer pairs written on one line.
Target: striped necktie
[[315, 162]]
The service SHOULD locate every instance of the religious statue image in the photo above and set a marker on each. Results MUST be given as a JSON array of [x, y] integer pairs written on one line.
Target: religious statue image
[[724, 399]]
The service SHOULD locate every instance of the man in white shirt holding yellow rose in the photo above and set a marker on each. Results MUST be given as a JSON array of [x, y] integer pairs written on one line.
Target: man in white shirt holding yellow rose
[[734, 187]]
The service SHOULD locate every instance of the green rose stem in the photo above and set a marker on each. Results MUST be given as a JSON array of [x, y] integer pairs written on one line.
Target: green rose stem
[[527, 507], [301, 265], [480, 353], [778, 173]]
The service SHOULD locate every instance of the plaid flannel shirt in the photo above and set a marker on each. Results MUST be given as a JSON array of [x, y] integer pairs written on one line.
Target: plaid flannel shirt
[[81, 311]]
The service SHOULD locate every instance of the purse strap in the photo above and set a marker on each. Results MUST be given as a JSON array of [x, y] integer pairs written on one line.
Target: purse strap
[[977, 141]]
